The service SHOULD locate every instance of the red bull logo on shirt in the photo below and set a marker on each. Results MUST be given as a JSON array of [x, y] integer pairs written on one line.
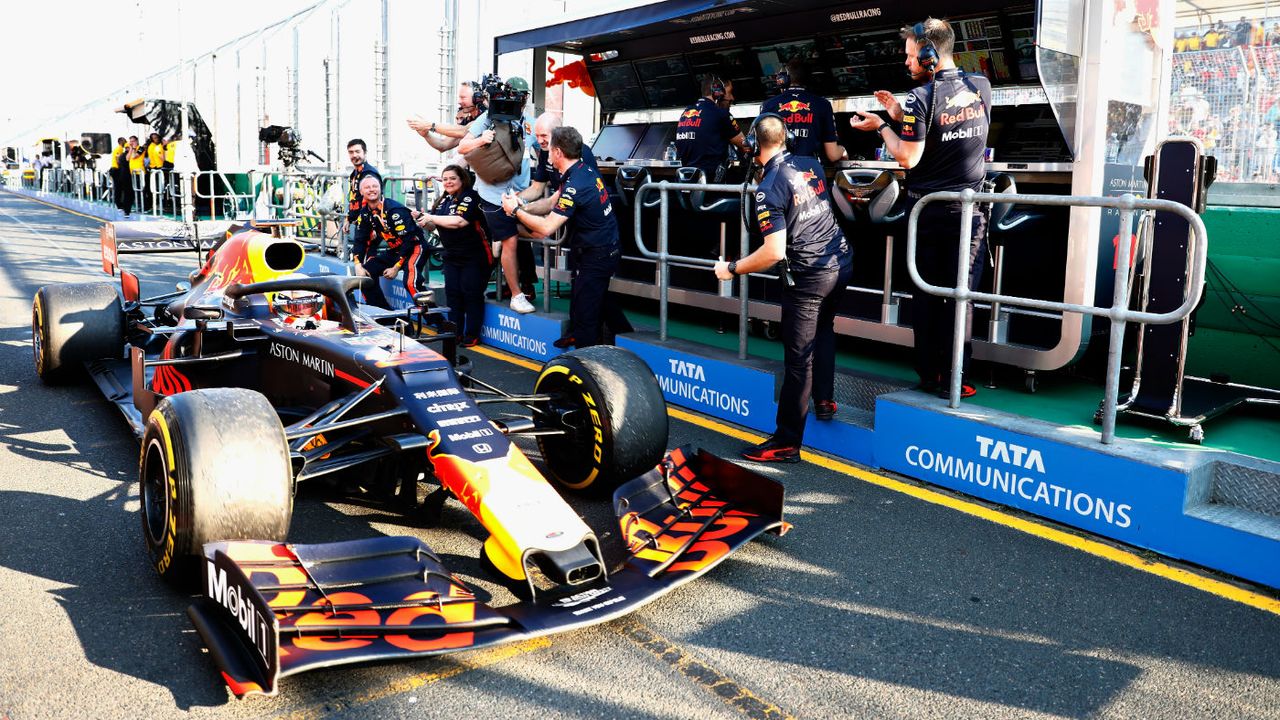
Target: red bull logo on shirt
[[792, 112], [690, 118], [793, 106]]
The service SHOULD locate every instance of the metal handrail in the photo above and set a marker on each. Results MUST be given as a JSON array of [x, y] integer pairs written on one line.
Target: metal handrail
[[663, 257], [1119, 312]]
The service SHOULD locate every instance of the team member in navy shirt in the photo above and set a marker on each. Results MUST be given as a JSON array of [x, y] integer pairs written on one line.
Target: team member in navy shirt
[[360, 169], [706, 129], [593, 238], [793, 212], [942, 146], [385, 221], [543, 175], [810, 117], [468, 258]]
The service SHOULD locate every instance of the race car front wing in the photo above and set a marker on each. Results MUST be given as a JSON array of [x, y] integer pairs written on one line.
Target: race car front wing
[[271, 609]]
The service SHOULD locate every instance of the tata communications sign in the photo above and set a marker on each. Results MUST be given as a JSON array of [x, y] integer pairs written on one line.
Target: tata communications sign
[[721, 389], [1103, 493]]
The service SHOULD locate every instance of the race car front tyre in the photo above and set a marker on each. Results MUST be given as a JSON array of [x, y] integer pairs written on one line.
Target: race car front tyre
[[214, 466], [74, 323], [612, 406]]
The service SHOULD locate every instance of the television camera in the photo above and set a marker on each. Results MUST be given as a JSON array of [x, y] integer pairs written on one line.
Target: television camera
[[505, 100], [290, 142]]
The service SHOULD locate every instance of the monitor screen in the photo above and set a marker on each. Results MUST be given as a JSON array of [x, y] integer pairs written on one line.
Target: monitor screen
[[734, 65], [1023, 32], [655, 141], [979, 48], [616, 87], [667, 82], [617, 142], [773, 58]]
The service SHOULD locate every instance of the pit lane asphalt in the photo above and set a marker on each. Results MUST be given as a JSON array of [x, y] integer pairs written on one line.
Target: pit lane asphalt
[[877, 604]]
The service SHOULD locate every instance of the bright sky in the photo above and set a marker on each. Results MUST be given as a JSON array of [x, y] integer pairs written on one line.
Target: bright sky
[[74, 51]]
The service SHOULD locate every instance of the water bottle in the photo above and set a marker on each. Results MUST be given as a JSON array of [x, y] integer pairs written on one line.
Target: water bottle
[[671, 155]]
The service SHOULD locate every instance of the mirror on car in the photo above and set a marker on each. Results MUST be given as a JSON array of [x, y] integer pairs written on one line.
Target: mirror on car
[[182, 286], [424, 299], [198, 312]]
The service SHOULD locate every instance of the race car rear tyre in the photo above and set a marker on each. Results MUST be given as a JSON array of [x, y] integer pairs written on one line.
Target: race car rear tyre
[[73, 323], [214, 466], [614, 406]]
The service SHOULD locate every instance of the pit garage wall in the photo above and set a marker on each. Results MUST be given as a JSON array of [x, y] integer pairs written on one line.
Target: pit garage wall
[[1238, 328]]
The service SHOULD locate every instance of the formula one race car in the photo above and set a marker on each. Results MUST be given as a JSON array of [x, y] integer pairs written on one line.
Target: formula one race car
[[255, 378]]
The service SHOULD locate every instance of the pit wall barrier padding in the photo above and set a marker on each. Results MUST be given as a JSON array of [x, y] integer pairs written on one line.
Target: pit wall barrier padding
[[1130, 492]]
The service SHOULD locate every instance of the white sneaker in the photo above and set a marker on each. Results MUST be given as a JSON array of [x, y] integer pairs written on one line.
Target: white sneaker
[[521, 304]]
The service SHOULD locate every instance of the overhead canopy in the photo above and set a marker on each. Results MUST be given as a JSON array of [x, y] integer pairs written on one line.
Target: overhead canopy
[[571, 35]]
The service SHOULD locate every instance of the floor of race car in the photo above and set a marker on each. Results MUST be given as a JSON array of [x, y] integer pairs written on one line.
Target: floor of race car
[[887, 600]]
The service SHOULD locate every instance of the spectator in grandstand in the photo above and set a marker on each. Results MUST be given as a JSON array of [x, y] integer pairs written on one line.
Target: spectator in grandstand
[[1194, 41], [1242, 32], [468, 259], [1262, 164], [1273, 35]]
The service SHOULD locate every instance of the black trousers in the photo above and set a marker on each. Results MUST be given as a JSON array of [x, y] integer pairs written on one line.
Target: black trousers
[[933, 317], [122, 192], [808, 346], [591, 305], [464, 285], [376, 264]]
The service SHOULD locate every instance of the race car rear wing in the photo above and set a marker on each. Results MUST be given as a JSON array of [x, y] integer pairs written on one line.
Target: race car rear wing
[[270, 610], [158, 236]]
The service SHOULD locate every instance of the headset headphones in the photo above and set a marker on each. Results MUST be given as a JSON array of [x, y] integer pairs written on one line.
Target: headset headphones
[[783, 78], [927, 55], [717, 88], [789, 136]]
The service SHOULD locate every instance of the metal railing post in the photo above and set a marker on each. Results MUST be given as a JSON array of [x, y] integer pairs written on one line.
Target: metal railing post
[[664, 270], [1119, 312], [744, 300], [962, 296]]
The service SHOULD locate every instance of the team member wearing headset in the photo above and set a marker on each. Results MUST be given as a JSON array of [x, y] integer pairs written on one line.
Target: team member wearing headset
[[794, 215], [941, 145]]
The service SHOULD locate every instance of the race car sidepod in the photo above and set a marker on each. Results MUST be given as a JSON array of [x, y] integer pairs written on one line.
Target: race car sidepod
[[271, 609]]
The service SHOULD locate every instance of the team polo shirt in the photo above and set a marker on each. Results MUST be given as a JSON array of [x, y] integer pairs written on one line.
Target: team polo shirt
[[393, 226], [793, 196], [809, 116], [155, 155], [465, 244], [585, 203], [489, 192], [544, 172], [952, 115], [355, 202], [703, 134]]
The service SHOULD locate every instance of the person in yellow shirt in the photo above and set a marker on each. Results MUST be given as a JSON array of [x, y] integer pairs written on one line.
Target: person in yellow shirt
[[121, 183]]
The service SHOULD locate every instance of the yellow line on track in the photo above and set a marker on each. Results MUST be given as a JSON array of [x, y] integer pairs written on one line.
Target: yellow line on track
[[1119, 555]]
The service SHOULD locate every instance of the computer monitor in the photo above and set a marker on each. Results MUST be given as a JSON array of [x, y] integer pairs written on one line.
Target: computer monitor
[[618, 142]]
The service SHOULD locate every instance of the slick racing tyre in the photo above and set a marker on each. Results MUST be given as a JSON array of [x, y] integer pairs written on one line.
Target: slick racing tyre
[[214, 466], [616, 417], [72, 324]]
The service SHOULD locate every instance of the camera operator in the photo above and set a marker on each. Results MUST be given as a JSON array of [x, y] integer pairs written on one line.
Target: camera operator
[[383, 220], [808, 115], [942, 146], [593, 239], [793, 213], [491, 148], [445, 137], [360, 169]]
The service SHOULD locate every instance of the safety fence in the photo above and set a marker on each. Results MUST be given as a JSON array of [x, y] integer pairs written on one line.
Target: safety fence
[[1229, 99], [1118, 313]]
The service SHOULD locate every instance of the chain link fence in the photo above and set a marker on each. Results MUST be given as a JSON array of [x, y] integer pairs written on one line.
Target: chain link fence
[[1229, 98]]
